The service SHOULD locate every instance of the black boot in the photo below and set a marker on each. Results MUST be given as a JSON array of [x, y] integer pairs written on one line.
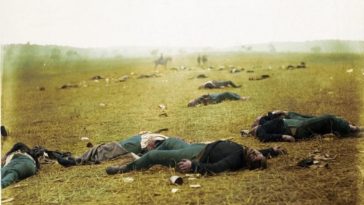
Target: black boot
[[112, 170], [67, 162]]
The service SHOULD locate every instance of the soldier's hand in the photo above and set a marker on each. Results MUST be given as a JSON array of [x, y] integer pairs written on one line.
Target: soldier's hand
[[185, 165], [288, 138], [280, 150]]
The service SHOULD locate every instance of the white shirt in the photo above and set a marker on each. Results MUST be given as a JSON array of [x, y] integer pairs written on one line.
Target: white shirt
[[147, 137], [11, 156]]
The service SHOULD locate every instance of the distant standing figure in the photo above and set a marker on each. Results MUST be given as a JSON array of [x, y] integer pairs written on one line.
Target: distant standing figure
[[215, 98], [199, 60], [204, 59], [218, 84]]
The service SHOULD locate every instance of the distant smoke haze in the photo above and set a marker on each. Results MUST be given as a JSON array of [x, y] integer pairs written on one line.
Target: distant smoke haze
[[189, 23]]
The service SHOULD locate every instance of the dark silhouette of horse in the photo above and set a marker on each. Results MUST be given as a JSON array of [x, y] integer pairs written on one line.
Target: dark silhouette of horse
[[162, 61]]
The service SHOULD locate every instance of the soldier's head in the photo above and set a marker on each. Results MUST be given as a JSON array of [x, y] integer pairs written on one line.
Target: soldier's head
[[255, 159], [192, 103]]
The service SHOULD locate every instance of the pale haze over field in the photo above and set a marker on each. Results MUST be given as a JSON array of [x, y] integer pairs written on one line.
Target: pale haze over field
[[99, 23]]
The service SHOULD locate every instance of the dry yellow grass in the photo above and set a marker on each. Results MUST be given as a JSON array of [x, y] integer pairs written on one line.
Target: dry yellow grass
[[106, 111]]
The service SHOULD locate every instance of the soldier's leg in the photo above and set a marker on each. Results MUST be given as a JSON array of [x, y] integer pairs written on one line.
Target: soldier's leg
[[218, 98], [20, 167], [229, 82], [8, 176], [164, 157], [323, 125]]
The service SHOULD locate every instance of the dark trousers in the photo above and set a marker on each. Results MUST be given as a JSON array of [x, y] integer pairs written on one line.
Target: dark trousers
[[219, 84], [165, 157], [20, 167], [322, 125], [217, 98]]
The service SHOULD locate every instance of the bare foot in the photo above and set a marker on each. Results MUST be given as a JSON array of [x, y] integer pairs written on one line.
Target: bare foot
[[288, 138]]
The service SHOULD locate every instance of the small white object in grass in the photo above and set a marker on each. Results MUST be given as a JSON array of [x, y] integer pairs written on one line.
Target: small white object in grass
[[20, 185], [107, 80], [128, 179], [85, 138], [193, 175], [7, 200], [349, 70], [162, 106], [174, 190], [176, 180], [195, 186], [102, 104]]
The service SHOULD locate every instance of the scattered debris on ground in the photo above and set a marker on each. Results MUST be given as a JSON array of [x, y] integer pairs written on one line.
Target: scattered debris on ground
[[236, 70], [41, 88], [195, 185], [7, 200], [128, 179], [316, 160], [97, 77], [201, 76], [69, 85], [176, 180], [299, 66], [174, 190], [123, 78], [260, 77], [149, 76]]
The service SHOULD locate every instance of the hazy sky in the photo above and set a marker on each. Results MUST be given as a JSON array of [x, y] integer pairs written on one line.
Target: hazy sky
[[100, 23]]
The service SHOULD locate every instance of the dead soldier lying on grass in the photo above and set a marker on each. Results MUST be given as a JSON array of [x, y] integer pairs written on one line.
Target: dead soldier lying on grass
[[291, 126], [210, 158]]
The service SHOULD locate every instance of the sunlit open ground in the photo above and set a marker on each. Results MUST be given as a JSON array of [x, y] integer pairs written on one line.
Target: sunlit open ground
[[107, 110]]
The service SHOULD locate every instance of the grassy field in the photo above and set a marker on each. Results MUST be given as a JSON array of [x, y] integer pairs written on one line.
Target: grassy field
[[107, 110]]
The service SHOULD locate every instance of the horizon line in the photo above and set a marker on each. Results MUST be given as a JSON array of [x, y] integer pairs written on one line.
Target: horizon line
[[176, 46]]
